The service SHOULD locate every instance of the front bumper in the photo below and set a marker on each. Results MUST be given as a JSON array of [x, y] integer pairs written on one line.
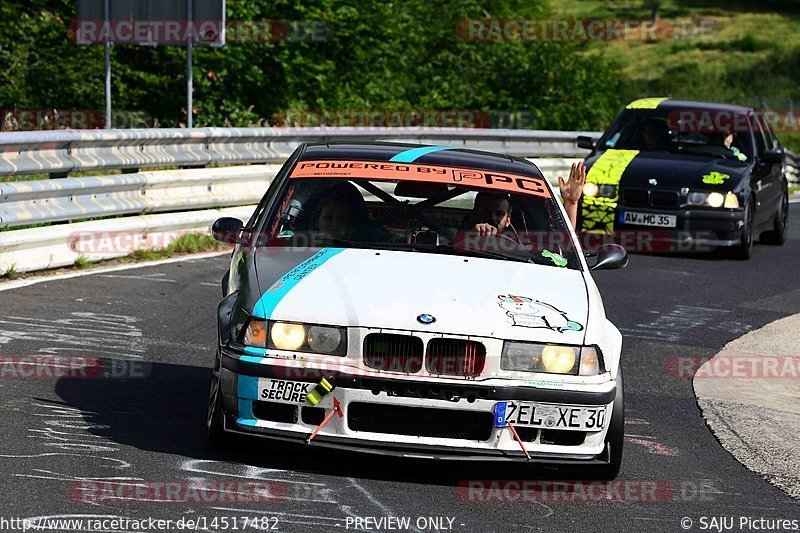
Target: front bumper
[[696, 230], [446, 400]]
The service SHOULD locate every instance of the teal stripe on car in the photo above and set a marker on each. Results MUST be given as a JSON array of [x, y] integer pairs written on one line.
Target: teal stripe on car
[[278, 290], [247, 392], [409, 156], [248, 387]]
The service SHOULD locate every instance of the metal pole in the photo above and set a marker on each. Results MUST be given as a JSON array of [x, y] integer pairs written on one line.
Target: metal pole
[[189, 73], [107, 46]]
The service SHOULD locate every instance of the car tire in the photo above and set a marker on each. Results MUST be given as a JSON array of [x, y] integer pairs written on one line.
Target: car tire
[[744, 250], [218, 438], [777, 235], [615, 438]]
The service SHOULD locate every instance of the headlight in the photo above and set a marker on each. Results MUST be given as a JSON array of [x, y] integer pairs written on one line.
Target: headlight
[[713, 199], [697, 198], [602, 191], [590, 189], [607, 191], [330, 340], [324, 339], [559, 359], [287, 336], [551, 358]]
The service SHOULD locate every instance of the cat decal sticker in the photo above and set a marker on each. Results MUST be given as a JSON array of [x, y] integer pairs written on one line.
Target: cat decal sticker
[[529, 313]]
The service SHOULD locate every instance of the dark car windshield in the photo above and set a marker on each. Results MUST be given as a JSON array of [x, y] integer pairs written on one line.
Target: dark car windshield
[[696, 132], [421, 209]]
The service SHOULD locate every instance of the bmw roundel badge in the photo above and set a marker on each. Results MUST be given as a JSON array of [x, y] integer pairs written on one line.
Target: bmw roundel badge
[[425, 318]]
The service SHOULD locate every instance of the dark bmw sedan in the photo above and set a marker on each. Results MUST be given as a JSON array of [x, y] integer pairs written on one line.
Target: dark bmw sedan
[[697, 175]]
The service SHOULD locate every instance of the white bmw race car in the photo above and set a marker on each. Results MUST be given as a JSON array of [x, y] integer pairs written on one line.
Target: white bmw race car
[[418, 301]]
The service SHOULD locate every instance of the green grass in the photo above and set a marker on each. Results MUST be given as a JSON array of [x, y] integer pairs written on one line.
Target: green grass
[[81, 262], [10, 274], [190, 243], [728, 51]]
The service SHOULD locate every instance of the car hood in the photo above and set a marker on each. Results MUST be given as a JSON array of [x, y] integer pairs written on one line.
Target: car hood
[[680, 170], [391, 289]]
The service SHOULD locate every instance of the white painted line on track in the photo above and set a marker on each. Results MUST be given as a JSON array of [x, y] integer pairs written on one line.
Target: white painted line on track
[[102, 270], [143, 278]]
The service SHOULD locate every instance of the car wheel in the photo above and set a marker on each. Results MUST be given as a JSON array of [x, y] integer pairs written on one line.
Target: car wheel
[[215, 426], [777, 235], [744, 250], [615, 438]]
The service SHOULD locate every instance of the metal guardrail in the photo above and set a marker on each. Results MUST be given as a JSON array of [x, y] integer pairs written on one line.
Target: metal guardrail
[[792, 167], [38, 201], [60, 152], [61, 245]]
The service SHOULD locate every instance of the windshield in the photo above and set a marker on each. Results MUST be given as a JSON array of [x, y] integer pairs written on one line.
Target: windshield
[[421, 209], [713, 134]]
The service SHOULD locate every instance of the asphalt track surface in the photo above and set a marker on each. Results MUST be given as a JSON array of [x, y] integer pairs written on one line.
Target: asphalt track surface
[[60, 435]]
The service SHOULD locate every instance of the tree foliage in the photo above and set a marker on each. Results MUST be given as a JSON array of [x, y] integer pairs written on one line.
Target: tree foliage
[[377, 55]]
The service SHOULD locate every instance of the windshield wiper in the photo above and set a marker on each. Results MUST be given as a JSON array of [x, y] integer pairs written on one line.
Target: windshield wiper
[[688, 150], [348, 244], [439, 248], [450, 249]]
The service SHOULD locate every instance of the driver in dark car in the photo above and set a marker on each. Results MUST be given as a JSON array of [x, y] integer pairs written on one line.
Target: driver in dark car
[[655, 135]]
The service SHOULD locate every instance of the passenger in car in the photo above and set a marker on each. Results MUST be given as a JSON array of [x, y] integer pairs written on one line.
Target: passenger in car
[[339, 213]]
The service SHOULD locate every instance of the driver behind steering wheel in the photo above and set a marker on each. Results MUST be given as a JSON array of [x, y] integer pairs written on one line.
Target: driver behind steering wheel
[[491, 212], [490, 215]]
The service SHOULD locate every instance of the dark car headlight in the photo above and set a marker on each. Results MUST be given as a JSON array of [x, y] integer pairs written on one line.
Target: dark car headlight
[[600, 191], [551, 358], [713, 199], [295, 337]]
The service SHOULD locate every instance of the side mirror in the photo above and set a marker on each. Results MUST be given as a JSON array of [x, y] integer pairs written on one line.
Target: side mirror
[[585, 142], [772, 156], [609, 257], [227, 230]]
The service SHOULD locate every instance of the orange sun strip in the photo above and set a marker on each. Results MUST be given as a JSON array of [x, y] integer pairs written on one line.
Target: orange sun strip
[[372, 170]]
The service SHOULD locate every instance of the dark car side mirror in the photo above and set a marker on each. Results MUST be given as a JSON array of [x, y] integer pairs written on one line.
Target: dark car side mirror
[[585, 142], [227, 230], [610, 257], [772, 156]]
